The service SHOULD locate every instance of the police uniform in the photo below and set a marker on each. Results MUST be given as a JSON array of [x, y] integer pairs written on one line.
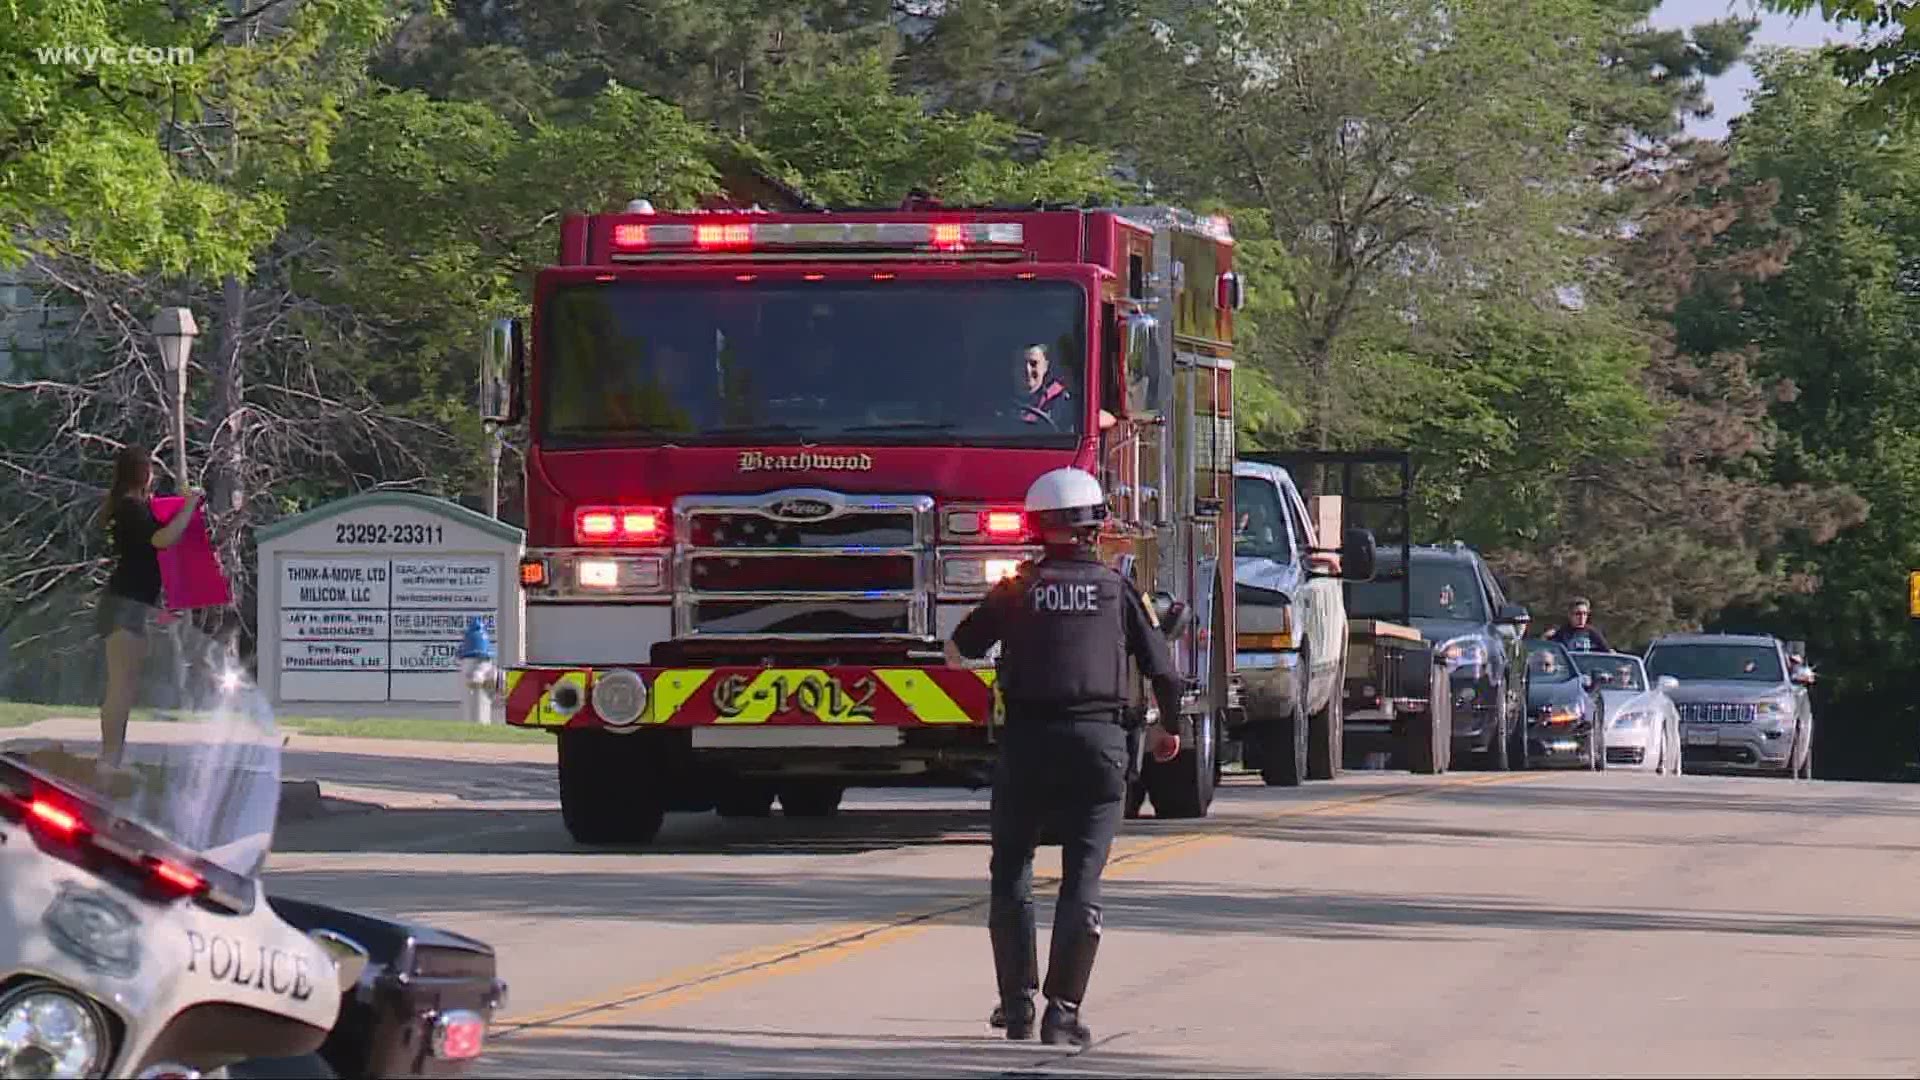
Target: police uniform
[[1066, 626]]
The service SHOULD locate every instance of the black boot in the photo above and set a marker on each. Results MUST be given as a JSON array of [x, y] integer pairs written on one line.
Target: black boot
[[1069, 969], [1062, 1025], [1016, 963]]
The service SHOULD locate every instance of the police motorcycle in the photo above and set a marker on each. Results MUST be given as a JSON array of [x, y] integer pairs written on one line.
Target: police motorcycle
[[137, 938]]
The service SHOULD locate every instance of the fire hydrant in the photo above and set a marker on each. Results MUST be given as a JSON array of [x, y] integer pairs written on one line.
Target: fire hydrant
[[481, 674]]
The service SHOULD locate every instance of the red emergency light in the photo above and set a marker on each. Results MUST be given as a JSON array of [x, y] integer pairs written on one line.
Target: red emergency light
[[61, 821], [630, 238], [985, 524], [1005, 524], [723, 236], [619, 525], [178, 878]]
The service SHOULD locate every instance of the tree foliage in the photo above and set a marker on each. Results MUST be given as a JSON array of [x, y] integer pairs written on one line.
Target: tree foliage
[[1885, 59], [1837, 323], [81, 126]]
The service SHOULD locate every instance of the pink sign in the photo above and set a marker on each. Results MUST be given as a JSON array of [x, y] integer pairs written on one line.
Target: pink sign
[[190, 574]]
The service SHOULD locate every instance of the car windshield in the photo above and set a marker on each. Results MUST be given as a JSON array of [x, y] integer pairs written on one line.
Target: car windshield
[[1259, 527], [1736, 663], [1442, 589], [200, 771], [1549, 663], [1612, 672], [998, 363]]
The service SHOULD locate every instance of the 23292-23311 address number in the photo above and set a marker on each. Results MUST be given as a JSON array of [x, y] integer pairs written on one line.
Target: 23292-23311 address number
[[371, 532], [810, 695]]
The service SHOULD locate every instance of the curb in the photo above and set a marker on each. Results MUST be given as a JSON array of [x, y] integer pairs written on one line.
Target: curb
[[300, 799]]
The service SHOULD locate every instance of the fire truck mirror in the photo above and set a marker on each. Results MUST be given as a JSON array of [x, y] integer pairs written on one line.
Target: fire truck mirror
[[502, 359], [1140, 359]]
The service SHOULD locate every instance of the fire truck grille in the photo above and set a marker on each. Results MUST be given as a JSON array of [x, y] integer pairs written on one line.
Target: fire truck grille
[[850, 616], [783, 573], [804, 563], [858, 528]]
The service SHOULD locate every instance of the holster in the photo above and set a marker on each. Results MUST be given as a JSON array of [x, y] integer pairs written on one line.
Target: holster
[[1134, 722]]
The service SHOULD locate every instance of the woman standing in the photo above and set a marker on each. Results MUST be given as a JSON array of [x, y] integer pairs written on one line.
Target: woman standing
[[132, 595]]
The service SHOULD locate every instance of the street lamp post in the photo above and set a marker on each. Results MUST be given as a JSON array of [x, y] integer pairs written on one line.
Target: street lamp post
[[175, 330]]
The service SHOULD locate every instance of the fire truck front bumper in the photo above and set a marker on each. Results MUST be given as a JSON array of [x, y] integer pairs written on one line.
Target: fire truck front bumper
[[626, 698]]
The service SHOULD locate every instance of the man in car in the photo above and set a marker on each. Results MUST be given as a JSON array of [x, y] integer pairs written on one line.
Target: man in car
[[1578, 633], [1043, 397]]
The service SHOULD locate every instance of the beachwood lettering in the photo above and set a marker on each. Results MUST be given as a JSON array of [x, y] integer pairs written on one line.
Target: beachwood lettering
[[762, 461]]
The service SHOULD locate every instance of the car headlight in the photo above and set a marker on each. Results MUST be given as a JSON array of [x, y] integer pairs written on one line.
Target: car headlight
[[1637, 718], [1767, 710], [1464, 652], [49, 1032]]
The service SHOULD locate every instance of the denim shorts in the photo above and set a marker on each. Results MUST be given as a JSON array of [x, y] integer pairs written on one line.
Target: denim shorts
[[114, 612]]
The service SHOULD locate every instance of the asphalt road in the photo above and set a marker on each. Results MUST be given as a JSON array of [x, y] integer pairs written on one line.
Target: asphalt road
[[1474, 924]]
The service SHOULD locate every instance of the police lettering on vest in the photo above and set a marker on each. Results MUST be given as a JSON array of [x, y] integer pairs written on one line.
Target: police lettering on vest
[[1066, 647], [1057, 598]]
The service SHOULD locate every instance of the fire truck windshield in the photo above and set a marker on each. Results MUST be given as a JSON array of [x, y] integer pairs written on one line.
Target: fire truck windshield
[[996, 363]]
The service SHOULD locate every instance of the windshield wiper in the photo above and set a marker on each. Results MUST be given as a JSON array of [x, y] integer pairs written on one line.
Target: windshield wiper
[[755, 429], [901, 425]]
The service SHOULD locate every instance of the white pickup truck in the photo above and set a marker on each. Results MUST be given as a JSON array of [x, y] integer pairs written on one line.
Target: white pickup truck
[[1291, 648]]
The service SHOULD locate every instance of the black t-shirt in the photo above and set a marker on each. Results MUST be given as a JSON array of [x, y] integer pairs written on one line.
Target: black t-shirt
[[1580, 639], [136, 564]]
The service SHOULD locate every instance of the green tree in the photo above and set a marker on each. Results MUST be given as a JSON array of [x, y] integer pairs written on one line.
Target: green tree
[[1410, 154], [847, 135], [80, 132], [1886, 58], [1838, 327]]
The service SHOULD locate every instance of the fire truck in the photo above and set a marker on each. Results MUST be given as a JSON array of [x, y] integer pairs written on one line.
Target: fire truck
[[773, 459]]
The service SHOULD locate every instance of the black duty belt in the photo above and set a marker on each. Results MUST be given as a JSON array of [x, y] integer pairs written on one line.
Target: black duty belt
[[1032, 714]]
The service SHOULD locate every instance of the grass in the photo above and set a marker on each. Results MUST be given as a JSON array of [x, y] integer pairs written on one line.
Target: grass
[[20, 714]]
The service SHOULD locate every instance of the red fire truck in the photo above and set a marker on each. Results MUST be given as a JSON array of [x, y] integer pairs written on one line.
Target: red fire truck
[[774, 458]]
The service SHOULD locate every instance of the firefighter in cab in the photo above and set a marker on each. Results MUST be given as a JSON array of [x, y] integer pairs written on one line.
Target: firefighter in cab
[[1065, 627]]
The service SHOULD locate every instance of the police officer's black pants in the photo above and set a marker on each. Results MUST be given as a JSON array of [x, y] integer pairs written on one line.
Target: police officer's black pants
[[1070, 775]]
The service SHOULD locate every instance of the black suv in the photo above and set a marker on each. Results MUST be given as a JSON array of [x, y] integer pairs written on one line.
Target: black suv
[[1459, 607]]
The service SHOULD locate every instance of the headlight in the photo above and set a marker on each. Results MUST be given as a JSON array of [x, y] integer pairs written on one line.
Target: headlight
[[1638, 718], [47, 1032], [974, 572], [1464, 652], [1768, 709]]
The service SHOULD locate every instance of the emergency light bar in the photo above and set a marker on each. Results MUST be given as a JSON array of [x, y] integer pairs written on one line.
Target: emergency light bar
[[741, 236]]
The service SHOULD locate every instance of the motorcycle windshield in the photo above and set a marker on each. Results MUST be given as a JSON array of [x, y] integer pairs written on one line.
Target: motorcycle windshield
[[182, 745]]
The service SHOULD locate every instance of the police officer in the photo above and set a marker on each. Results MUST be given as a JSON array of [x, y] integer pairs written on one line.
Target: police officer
[[1065, 626]]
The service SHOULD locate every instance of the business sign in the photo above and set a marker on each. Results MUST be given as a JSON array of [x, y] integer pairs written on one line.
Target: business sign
[[372, 597]]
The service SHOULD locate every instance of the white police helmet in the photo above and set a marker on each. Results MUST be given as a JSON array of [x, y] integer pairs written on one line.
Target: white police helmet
[[1066, 498]]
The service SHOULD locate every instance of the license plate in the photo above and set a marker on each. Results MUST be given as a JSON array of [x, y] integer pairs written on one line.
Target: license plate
[[818, 696], [1703, 738]]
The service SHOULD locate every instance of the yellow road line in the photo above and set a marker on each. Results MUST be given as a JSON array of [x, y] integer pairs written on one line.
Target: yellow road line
[[836, 943]]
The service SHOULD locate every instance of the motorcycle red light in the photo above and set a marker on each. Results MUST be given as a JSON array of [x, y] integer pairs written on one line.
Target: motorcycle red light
[[177, 877], [459, 1035], [54, 818]]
